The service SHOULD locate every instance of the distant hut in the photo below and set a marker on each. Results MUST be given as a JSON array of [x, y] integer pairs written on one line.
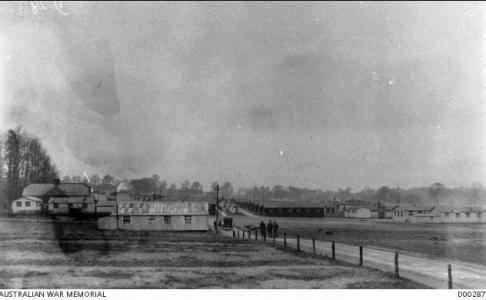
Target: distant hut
[[27, 205]]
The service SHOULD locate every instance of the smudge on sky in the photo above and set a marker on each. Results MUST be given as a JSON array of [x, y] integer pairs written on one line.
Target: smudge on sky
[[391, 93]]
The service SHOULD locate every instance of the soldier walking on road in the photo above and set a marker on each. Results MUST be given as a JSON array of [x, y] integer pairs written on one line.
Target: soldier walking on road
[[263, 229], [270, 228], [275, 229]]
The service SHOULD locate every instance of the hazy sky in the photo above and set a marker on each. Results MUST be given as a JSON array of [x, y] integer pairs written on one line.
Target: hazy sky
[[320, 95]]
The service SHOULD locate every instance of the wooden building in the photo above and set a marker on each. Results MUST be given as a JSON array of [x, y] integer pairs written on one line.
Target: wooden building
[[358, 212], [403, 213], [450, 215], [189, 215], [283, 208], [27, 205]]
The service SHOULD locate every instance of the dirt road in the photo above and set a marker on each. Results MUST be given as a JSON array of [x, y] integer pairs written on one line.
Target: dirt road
[[430, 272]]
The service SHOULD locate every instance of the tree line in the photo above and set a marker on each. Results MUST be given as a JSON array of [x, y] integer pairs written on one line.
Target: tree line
[[23, 160], [434, 195], [152, 185]]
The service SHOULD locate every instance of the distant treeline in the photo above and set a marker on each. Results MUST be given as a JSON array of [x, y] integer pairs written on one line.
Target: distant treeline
[[23, 160], [434, 195], [149, 186]]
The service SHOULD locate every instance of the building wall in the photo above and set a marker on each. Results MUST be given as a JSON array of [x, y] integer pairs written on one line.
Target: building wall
[[452, 218], [358, 213], [199, 223], [35, 206], [401, 215], [293, 212], [76, 202]]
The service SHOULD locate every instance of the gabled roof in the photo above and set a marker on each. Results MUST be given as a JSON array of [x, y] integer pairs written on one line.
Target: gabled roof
[[37, 189], [63, 189], [31, 198], [163, 208]]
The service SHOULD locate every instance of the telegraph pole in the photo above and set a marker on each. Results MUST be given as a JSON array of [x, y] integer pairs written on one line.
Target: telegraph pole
[[217, 188]]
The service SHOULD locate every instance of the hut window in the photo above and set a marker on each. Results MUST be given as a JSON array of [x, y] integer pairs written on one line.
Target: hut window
[[187, 219], [19, 204], [410, 213], [37, 204], [85, 205], [468, 215], [457, 215], [167, 220], [447, 215], [56, 205], [131, 205], [126, 220], [27, 203], [151, 220]]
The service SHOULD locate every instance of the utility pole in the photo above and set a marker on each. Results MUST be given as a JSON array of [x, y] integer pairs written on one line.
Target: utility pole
[[217, 188]]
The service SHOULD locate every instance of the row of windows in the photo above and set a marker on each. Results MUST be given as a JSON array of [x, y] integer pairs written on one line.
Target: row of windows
[[410, 213], [478, 214], [127, 220], [70, 205], [27, 204], [298, 210]]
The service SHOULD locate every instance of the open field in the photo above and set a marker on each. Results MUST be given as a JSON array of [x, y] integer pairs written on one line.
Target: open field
[[463, 242], [40, 254]]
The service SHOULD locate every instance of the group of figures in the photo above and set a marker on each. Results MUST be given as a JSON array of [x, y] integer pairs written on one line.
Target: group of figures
[[270, 230]]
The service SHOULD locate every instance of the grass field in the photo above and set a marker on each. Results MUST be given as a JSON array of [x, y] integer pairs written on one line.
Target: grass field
[[40, 254], [464, 242]]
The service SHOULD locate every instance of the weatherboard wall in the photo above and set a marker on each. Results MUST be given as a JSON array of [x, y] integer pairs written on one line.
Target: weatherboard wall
[[158, 222]]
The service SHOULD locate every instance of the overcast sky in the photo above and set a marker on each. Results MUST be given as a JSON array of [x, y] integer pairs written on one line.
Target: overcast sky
[[319, 95]]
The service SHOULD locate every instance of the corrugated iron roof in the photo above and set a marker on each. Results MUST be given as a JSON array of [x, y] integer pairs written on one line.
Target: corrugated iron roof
[[163, 208], [64, 189]]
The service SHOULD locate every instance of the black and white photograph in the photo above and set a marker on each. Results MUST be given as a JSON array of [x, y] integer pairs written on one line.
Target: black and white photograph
[[242, 145]]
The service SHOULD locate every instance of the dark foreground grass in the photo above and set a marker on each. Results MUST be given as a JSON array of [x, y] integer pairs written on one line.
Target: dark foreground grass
[[77, 255]]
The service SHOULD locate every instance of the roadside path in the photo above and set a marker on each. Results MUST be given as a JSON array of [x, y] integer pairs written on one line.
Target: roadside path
[[431, 272]]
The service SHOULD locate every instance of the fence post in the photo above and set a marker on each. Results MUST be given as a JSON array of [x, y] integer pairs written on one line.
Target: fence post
[[256, 235], [298, 243], [249, 233], [234, 233], [314, 246], [449, 270], [397, 273], [243, 234], [238, 234], [285, 239], [360, 255], [333, 250]]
